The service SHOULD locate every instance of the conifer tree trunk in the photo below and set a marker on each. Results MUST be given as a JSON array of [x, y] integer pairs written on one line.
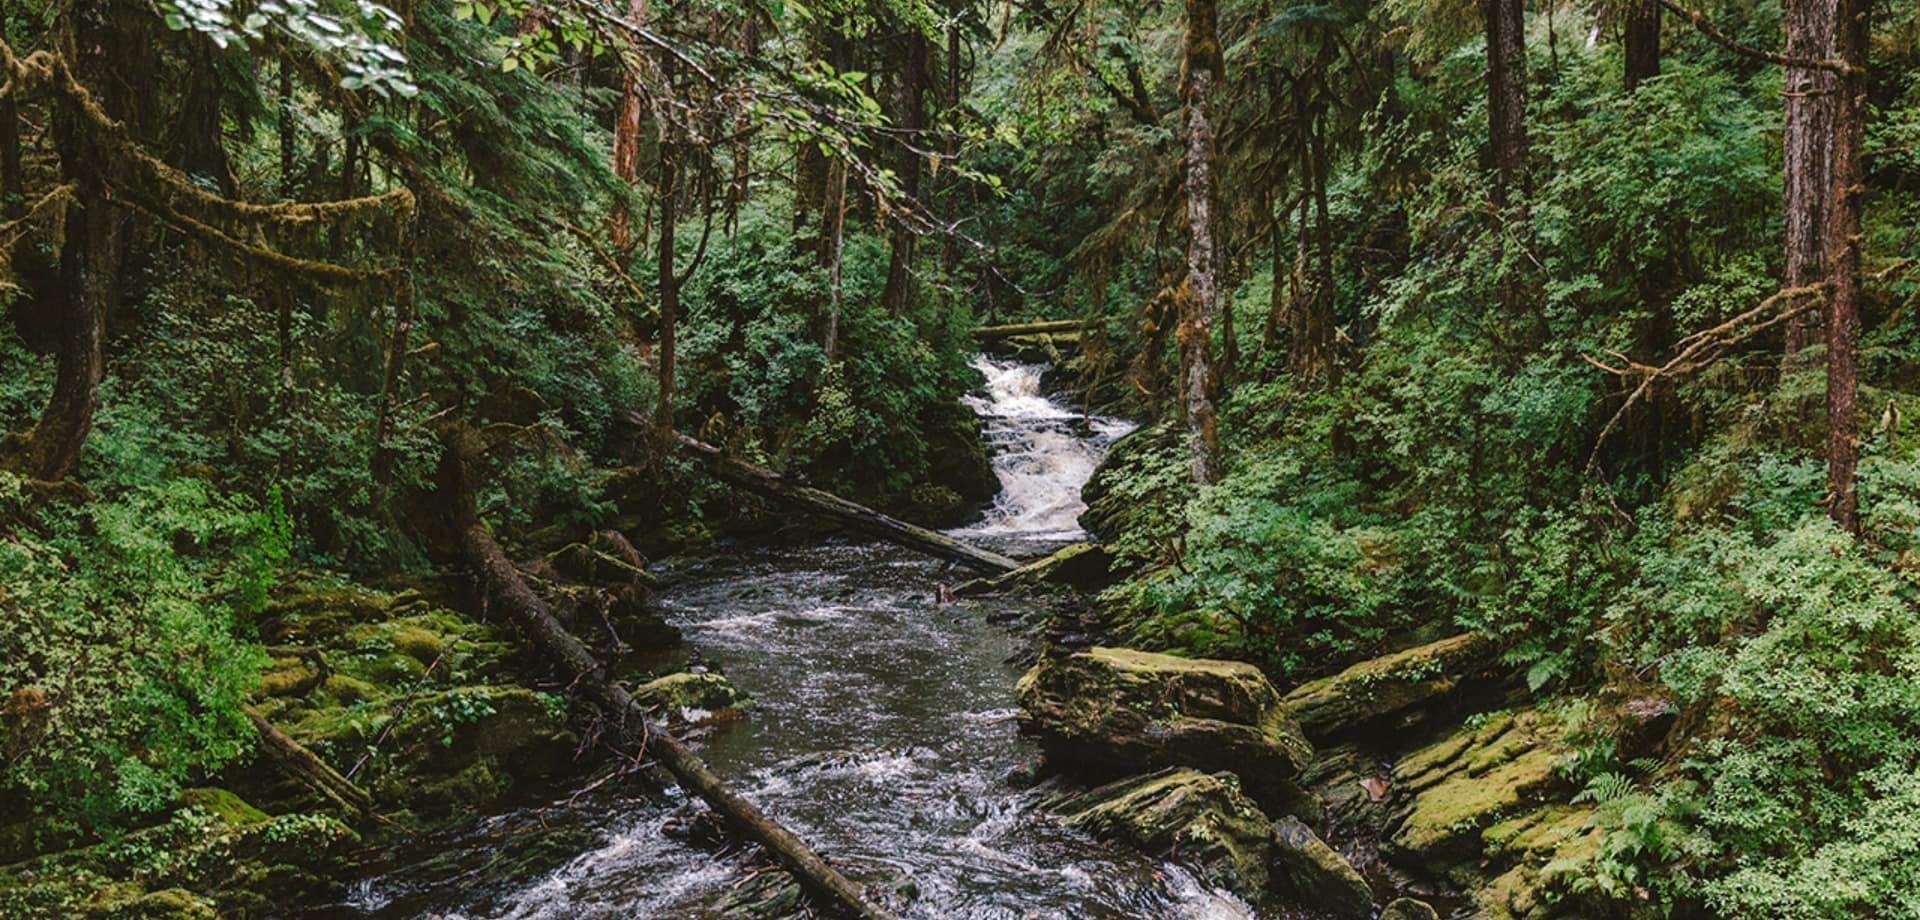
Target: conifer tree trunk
[[91, 254], [1642, 42], [1201, 295], [1807, 153], [626, 139], [1506, 97], [832, 249], [1843, 263], [911, 117], [668, 195]]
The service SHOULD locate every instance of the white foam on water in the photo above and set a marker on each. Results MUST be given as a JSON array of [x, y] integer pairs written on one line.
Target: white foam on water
[[1043, 451]]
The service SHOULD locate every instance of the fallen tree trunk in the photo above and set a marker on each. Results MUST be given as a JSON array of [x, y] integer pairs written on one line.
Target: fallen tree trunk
[[508, 592], [766, 482], [1049, 327], [308, 769]]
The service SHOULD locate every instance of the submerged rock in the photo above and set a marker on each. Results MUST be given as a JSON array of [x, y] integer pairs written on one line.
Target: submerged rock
[[1304, 867], [1112, 710], [1202, 819], [1372, 691]]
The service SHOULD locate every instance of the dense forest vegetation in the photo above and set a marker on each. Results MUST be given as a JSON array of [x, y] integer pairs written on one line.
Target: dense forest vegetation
[[1585, 328]]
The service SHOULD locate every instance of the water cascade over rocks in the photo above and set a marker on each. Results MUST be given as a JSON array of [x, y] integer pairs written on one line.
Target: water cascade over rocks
[[881, 731]]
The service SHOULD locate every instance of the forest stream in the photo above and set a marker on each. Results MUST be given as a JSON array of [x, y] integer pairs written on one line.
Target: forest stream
[[882, 730]]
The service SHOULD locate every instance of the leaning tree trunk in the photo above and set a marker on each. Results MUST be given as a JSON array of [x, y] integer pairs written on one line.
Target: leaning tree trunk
[[1201, 295], [91, 254], [1642, 42], [1843, 263], [1807, 154], [911, 117]]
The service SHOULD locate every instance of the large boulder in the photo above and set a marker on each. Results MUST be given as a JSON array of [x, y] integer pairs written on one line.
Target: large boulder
[[1313, 874], [1448, 792], [1113, 710], [1371, 692], [1203, 819]]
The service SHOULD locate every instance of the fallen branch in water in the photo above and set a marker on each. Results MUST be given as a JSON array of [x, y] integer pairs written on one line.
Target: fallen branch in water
[[766, 482], [506, 591]]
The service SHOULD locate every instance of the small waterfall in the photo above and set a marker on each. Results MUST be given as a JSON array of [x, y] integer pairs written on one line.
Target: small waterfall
[[1043, 451]]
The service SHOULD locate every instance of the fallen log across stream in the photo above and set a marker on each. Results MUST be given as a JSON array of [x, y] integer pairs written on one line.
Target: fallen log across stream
[[1047, 327], [508, 592], [768, 483]]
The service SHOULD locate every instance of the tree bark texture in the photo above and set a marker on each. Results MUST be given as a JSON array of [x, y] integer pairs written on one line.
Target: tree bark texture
[[91, 255], [1506, 97], [1200, 296], [910, 116], [1642, 39], [1812, 95], [667, 194], [1843, 264], [626, 137]]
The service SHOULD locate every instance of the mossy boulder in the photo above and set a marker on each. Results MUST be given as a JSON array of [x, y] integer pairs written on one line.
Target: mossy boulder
[[1544, 853], [691, 697], [1372, 691], [459, 747], [1202, 819], [165, 904], [1080, 565], [959, 471], [232, 810], [1451, 790], [1409, 909], [1313, 874], [1111, 710], [1140, 485]]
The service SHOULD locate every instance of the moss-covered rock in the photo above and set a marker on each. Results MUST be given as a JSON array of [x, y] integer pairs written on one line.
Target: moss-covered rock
[[1309, 871], [1372, 691], [1111, 709], [461, 747], [1409, 909], [1081, 565], [1202, 819], [231, 809], [1543, 853], [165, 904], [691, 697], [1140, 485], [1449, 791]]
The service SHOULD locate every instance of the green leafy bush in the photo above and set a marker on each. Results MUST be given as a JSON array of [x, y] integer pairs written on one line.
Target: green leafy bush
[[127, 658]]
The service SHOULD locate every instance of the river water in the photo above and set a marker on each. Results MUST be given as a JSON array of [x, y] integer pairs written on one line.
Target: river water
[[882, 732]]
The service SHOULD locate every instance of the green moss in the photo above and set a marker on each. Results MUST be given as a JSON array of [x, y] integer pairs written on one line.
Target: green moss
[[681, 693], [220, 803], [1203, 817], [1470, 781]]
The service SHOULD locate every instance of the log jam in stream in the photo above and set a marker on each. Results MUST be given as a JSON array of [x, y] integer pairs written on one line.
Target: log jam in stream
[[882, 733]]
